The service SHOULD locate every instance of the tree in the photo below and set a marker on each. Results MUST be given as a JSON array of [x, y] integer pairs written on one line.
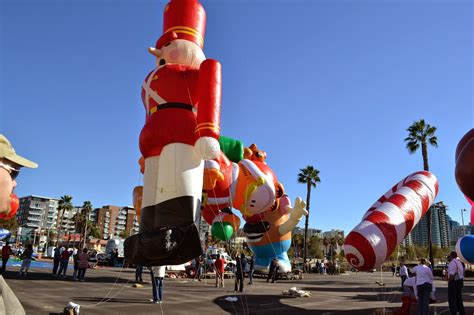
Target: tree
[[297, 244], [314, 247], [310, 177], [64, 204], [9, 224], [86, 209], [422, 134], [93, 229], [123, 234], [326, 243]]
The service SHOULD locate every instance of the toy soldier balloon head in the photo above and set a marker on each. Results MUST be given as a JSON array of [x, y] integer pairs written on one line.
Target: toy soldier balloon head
[[184, 25]]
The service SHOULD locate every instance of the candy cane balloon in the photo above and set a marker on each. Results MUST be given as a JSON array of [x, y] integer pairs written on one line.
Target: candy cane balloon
[[390, 220]]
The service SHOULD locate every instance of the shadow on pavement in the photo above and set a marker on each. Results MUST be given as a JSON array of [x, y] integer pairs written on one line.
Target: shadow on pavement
[[271, 304], [48, 276], [259, 304]]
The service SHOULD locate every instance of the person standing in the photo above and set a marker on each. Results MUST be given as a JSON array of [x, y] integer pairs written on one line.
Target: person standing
[[75, 259], [251, 263], [199, 268], [83, 259], [63, 262], [220, 268], [241, 262], [26, 256], [276, 271], [138, 273], [403, 273], [424, 285], [6, 252], [157, 281], [455, 284], [56, 259], [271, 269]]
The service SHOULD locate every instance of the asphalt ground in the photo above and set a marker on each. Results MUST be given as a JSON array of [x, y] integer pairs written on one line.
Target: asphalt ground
[[109, 291]]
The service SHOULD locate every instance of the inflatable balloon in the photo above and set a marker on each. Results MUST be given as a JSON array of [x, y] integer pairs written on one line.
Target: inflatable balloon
[[219, 175], [245, 183], [4, 233], [390, 220], [465, 249], [464, 171], [472, 209], [137, 200], [182, 98], [251, 187], [222, 230]]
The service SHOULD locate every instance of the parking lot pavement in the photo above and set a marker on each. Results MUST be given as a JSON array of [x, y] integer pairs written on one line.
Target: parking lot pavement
[[110, 291]]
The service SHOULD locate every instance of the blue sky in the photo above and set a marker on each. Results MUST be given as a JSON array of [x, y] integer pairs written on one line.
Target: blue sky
[[333, 84]]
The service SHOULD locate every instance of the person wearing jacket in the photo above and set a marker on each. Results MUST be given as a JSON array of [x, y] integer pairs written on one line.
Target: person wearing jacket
[[157, 279], [83, 259]]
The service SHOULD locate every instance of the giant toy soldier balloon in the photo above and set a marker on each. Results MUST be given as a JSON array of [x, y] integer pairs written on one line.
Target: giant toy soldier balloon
[[182, 98]]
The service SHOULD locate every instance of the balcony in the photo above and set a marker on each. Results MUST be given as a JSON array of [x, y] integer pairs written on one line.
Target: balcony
[[34, 219]]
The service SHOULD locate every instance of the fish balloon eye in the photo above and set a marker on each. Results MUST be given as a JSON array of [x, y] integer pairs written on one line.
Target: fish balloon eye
[[167, 44]]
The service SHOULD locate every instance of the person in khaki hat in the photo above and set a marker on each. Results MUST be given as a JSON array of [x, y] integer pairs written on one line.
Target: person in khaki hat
[[10, 164]]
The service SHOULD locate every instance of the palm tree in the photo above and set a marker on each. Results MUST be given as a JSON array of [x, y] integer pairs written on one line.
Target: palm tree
[[421, 133], [64, 204], [326, 243], [310, 177], [86, 209], [297, 244]]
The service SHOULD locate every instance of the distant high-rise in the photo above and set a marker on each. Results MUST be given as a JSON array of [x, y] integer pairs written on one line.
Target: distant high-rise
[[439, 227], [115, 221], [37, 212]]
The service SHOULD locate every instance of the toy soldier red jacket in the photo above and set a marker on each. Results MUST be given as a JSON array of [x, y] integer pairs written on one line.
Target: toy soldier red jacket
[[182, 104]]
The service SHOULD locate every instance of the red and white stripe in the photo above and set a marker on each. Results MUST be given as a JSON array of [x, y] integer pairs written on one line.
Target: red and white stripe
[[389, 220]]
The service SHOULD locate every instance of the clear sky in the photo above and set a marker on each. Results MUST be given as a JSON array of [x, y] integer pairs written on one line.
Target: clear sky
[[333, 84]]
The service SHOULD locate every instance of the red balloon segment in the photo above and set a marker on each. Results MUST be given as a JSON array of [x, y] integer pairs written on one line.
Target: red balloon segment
[[464, 171]]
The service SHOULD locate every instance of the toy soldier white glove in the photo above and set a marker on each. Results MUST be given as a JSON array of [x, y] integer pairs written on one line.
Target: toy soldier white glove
[[207, 148]]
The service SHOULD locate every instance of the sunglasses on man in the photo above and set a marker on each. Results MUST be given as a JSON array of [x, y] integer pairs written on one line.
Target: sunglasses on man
[[13, 171]]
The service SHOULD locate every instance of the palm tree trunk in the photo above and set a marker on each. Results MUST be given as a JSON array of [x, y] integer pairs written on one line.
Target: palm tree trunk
[[424, 153], [308, 197]]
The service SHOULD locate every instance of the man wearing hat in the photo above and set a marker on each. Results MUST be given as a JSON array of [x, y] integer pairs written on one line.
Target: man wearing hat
[[10, 164], [455, 284], [182, 97]]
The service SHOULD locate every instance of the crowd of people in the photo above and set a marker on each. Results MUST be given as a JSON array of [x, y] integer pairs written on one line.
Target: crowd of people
[[418, 285]]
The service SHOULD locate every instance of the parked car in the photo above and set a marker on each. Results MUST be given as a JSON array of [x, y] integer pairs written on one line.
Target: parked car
[[102, 259]]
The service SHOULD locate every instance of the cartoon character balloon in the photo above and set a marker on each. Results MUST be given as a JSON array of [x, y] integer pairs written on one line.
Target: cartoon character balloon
[[464, 171], [182, 99], [251, 187], [390, 220]]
